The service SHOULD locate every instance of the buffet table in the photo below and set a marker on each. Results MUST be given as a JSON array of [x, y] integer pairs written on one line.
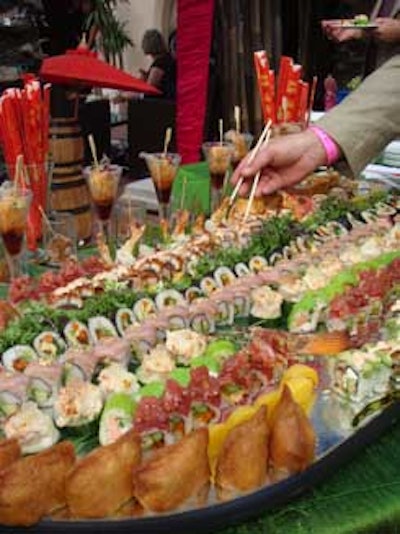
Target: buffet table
[[358, 491]]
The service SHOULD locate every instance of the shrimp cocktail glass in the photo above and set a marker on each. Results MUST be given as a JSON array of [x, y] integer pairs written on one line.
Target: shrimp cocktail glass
[[218, 155], [163, 168], [103, 182], [14, 208]]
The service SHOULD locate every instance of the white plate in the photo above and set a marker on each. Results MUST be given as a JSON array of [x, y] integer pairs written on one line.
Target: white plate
[[350, 26]]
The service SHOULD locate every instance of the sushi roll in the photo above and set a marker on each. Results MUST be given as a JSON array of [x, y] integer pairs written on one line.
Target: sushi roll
[[362, 374], [44, 382], [156, 366], [241, 269], [257, 263], [49, 346], [385, 210], [266, 303], [144, 308], [193, 293], [337, 228], [18, 357], [169, 298], [101, 328], [224, 276], [116, 418], [369, 216], [177, 317], [160, 325], [141, 338], [77, 334], [185, 344], [225, 307], [241, 302], [354, 222], [124, 318], [13, 393], [305, 316], [202, 316], [208, 285], [34, 429], [114, 378], [78, 403], [80, 363], [112, 350], [275, 258]]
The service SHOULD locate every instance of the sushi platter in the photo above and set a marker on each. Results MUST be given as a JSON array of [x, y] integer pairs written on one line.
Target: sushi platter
[[132, 391]]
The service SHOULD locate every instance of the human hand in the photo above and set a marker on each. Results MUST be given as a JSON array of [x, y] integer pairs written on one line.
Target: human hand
[[337, 31], [388, 30], [285, 161]]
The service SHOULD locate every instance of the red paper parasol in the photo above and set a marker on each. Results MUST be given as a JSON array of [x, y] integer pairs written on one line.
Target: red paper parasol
[[82, 67]]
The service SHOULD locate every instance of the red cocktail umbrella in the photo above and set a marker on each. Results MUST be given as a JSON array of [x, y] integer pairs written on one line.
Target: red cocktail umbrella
[[82, 67]]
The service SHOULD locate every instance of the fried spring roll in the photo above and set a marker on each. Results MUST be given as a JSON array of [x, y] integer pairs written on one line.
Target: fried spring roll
[[174, 474], [34, 486], [243, 461], [102, 481], [292, 443], [10, 451]]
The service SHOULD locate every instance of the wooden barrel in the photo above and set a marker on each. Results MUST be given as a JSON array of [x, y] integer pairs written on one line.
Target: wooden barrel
[[69, 191]]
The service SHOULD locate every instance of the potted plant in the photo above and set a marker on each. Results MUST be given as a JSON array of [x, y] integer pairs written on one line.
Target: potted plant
[[112, 33]]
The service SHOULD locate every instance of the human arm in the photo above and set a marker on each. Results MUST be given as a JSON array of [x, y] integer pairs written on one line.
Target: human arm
[[388, 30], [336, 31], [361, 126], [369, 118], [155, 76], [285, 161]]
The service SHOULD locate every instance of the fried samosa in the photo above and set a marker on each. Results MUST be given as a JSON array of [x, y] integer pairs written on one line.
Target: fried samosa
[[243, 461], [174, 474], [292, 442], [34, 486], [102, 481], [10, 451]]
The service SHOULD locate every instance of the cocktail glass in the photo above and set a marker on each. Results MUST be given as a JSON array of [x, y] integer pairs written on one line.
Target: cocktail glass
[[14, 207], [163, 167], [103, 182], [241, 142], [219, 156]]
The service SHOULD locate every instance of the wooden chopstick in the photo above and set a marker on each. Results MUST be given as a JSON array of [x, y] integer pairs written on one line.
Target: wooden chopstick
[[250, 160], [255, 182]]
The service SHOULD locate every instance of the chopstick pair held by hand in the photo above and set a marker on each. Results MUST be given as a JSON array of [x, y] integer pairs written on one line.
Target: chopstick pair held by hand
[[249, 160], [255, 181]]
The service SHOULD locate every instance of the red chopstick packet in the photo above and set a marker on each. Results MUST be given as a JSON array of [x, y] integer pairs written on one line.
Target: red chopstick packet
[[266, 85]]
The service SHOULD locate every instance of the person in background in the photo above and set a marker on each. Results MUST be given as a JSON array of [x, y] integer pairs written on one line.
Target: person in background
[[384, 41], [162, 71], [356, 130]]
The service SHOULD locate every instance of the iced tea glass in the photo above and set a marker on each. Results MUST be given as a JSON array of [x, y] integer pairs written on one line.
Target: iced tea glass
[[103, 182], [14, 208], [218, 155], [241, 142], [163, 168]]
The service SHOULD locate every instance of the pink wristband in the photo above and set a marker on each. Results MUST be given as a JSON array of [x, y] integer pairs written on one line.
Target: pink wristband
[[331, 149]]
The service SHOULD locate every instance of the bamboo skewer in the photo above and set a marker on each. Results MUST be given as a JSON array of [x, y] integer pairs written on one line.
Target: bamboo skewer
[[167, 140], [221, 131], [183, 192], [255, 182], [250, 160], [18, 171], [311, 101], [93, 150], [47, 221], [237, 118]]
